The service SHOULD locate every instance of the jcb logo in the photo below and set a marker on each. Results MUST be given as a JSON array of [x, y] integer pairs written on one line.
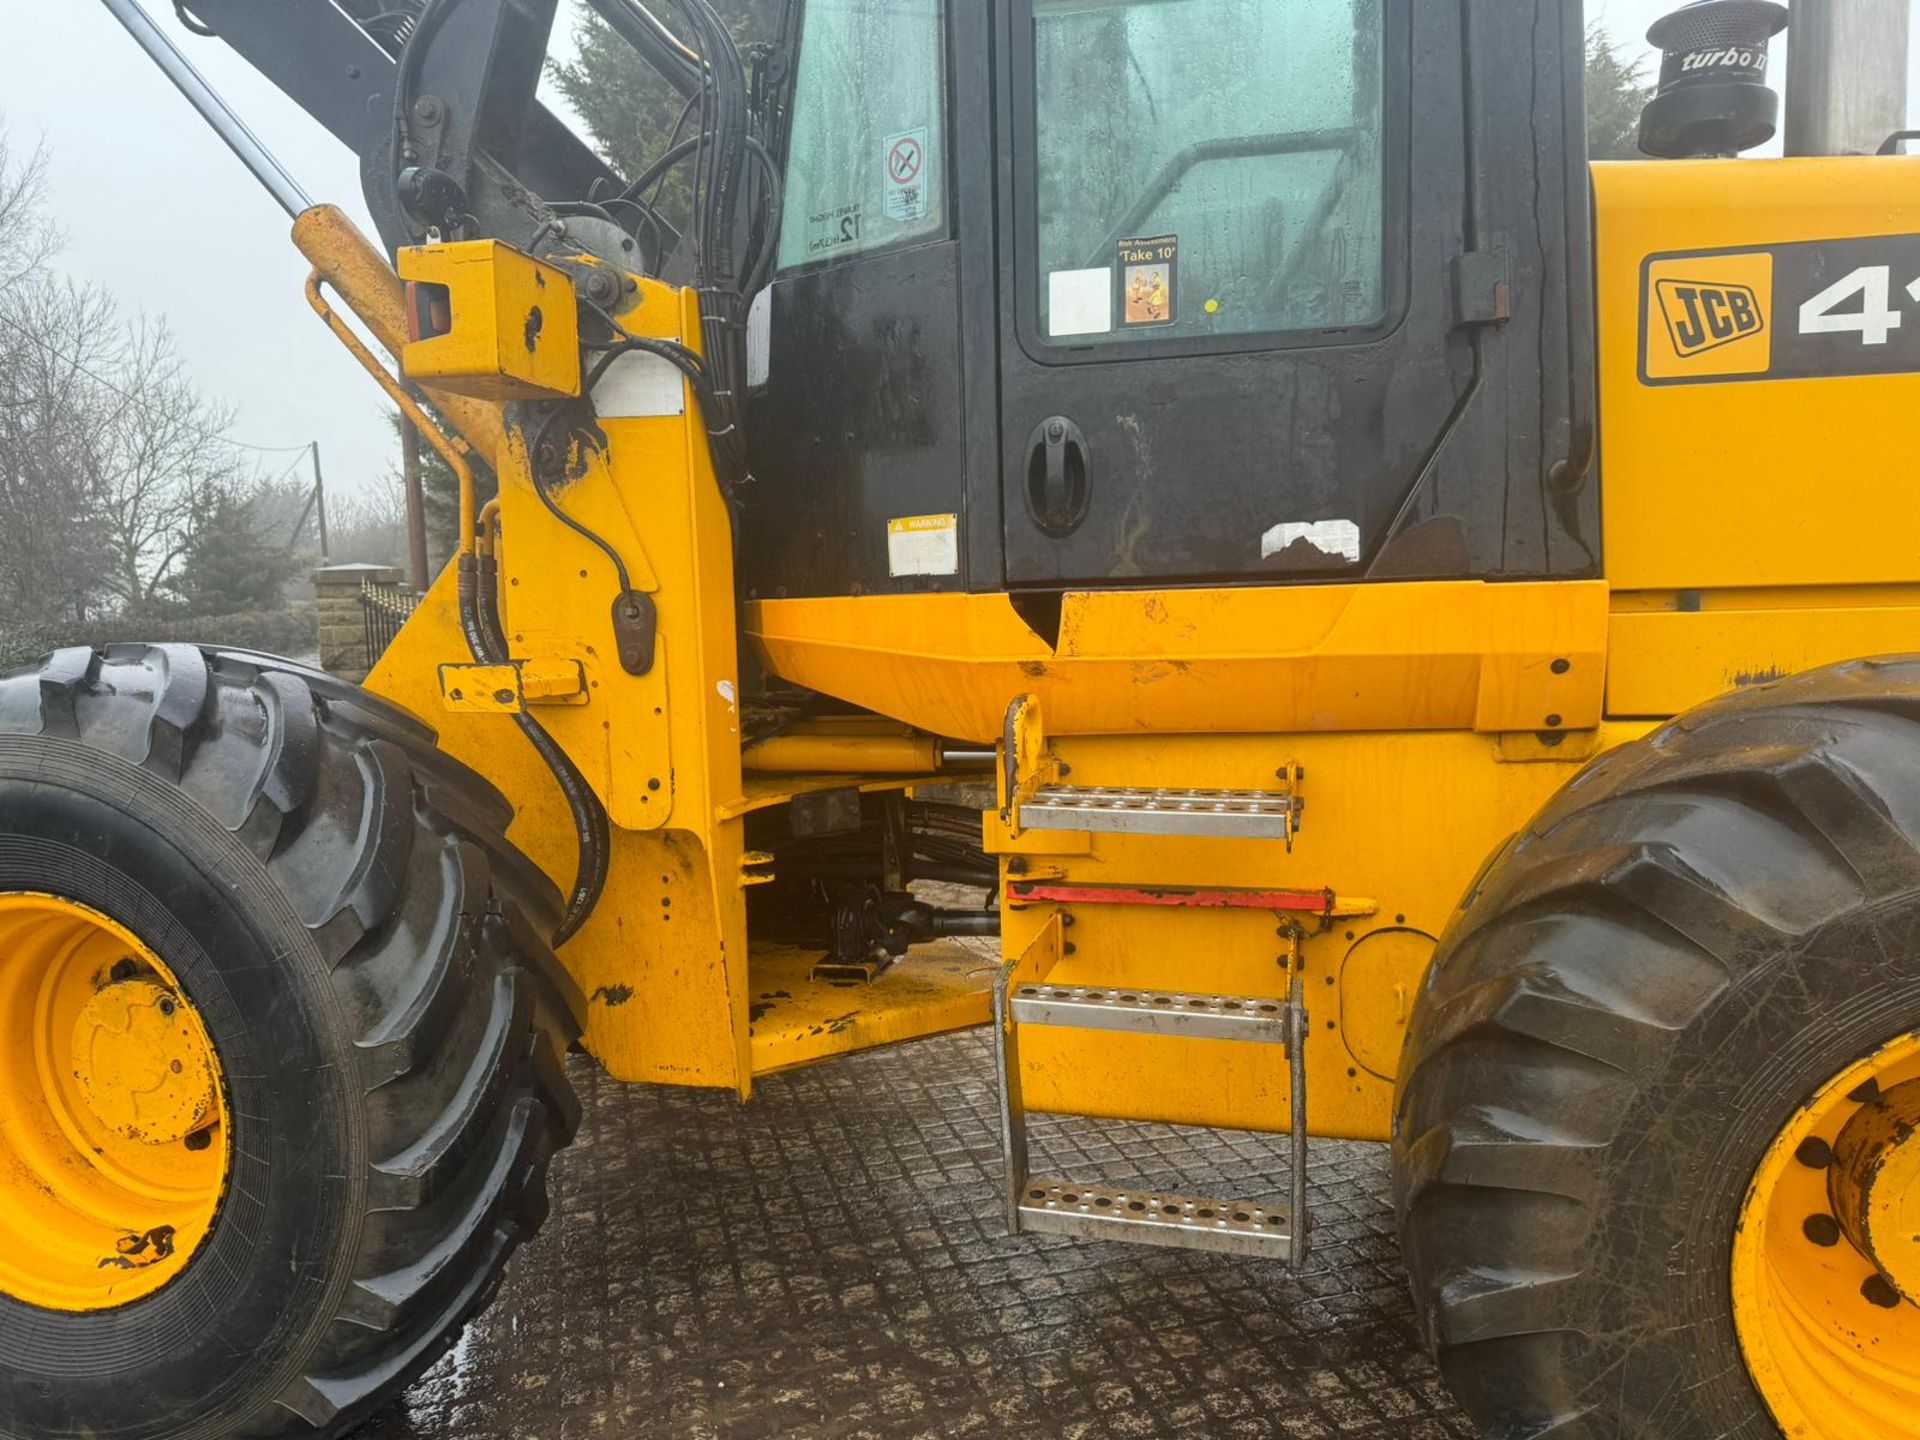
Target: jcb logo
[[1707, 317], [1704, 317]]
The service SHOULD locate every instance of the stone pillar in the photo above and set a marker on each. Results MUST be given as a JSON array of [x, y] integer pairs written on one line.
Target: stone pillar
[[343, 621]]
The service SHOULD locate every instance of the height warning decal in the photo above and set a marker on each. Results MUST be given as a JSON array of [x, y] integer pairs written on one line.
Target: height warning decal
[[905, 157], [1810, 311]]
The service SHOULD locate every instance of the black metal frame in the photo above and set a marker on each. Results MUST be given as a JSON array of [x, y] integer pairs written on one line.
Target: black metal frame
[[481, 68]]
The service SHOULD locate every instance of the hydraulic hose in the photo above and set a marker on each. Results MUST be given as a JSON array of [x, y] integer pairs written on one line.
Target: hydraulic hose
[[590, 825]]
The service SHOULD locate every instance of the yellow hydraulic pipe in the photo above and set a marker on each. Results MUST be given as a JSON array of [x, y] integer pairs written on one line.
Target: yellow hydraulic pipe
[[452, 453], [803, 752], [360, 276]]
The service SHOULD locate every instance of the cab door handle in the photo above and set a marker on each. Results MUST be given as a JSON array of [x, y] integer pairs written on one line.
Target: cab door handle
[[1059, 486]]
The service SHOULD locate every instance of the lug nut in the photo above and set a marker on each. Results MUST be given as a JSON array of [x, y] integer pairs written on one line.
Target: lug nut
[[1879, 1291], [1822, 1230], [1815, 1153]]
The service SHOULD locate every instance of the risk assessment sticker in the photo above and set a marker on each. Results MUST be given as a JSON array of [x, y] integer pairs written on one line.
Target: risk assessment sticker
[[924, 545]]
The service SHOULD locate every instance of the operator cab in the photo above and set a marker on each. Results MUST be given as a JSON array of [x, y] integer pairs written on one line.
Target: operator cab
[[1080, 293]]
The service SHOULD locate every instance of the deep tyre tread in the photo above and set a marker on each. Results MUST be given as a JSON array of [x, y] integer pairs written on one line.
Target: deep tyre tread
[[408, 937], [1689, 940]]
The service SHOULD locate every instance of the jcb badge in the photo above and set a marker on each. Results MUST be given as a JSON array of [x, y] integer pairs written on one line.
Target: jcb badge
[[1708, 317], [1704, 317]]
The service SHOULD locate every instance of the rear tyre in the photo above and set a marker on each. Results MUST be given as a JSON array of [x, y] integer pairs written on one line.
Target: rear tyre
[[291, 863], [1666, 986]]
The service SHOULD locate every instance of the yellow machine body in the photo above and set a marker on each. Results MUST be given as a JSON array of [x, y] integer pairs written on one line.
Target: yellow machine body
[[1756, 523], [490, 322]]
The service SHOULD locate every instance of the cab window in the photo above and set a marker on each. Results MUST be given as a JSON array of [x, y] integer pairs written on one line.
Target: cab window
[[866, 164], [1207, 168]]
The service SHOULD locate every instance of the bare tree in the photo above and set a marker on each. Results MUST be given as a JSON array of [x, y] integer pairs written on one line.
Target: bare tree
[[27, 239], [52, 540], [105, 444], [153, 454]]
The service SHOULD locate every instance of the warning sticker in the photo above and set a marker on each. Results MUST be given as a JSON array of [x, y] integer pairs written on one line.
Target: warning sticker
[[829, 229], [1150, 281], [905, 157], [924, 545]]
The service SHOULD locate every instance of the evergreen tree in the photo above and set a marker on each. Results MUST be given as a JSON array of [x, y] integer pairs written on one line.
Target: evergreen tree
[[1617, 91], [440, 494], [227, 565], [629, 110]]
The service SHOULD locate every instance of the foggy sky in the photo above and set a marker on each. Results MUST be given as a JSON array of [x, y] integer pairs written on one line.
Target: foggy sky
[[157, 210]]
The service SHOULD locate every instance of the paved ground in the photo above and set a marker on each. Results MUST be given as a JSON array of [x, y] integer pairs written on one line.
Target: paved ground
[[829, 1261]]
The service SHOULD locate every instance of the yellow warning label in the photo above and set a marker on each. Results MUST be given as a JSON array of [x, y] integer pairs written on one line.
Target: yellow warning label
[[924, 545], [1709, 316]]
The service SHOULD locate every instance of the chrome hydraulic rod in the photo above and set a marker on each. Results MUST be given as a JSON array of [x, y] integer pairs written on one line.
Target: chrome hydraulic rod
[[212, 107]]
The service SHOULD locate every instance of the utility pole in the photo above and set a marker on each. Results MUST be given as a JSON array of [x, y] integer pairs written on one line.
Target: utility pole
[[416, 503], [1846, 75], [320, 502]]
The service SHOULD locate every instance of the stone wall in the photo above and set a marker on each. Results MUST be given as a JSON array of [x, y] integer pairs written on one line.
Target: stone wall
[[343, 621]]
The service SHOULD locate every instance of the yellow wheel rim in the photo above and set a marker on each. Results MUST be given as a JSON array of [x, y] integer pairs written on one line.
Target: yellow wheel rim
[[1826, 1265], [114, 1137]]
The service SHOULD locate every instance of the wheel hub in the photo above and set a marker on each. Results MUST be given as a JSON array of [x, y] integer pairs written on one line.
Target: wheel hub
[[1827, 1258], [114, 1145], [1875, 1185], [142, 1064]]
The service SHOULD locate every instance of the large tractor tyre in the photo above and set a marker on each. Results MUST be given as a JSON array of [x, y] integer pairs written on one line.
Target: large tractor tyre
[[1656, 1159], [281, 1048]]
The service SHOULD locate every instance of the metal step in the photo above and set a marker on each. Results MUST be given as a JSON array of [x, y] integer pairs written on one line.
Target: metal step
[[1152, 1012], [1223, 814], [1024, 996], [1149, 1217]]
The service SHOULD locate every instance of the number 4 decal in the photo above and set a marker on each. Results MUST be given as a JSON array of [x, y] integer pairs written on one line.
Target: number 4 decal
[[1875, 320]]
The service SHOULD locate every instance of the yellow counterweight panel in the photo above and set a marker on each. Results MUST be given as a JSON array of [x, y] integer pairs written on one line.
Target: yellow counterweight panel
[[1717, 474]]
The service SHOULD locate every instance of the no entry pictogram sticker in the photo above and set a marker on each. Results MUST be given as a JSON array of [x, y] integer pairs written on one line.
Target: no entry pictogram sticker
[[906, 188], [905, 160]]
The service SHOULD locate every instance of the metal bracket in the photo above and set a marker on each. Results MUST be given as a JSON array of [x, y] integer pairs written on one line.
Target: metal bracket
[[1026, 762], [1483, 288], [508, 689], [636, 631]]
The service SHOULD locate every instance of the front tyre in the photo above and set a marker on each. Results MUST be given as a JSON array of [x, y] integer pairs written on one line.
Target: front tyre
[[281, 1048], [1656, 1158]]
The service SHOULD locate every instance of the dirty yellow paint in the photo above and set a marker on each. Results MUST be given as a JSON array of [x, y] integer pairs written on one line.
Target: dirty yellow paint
[[511, 322], [797, 1020], [661, 749], [1404, 819], [1425, 655], [1663, 659]]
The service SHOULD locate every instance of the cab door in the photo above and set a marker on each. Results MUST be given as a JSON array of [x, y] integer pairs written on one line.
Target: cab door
[[1234, 340]]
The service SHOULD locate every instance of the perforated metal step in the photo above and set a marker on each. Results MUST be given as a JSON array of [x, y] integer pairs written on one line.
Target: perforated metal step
[[1101, 1212], [1227, 814], [1152, 1012]]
